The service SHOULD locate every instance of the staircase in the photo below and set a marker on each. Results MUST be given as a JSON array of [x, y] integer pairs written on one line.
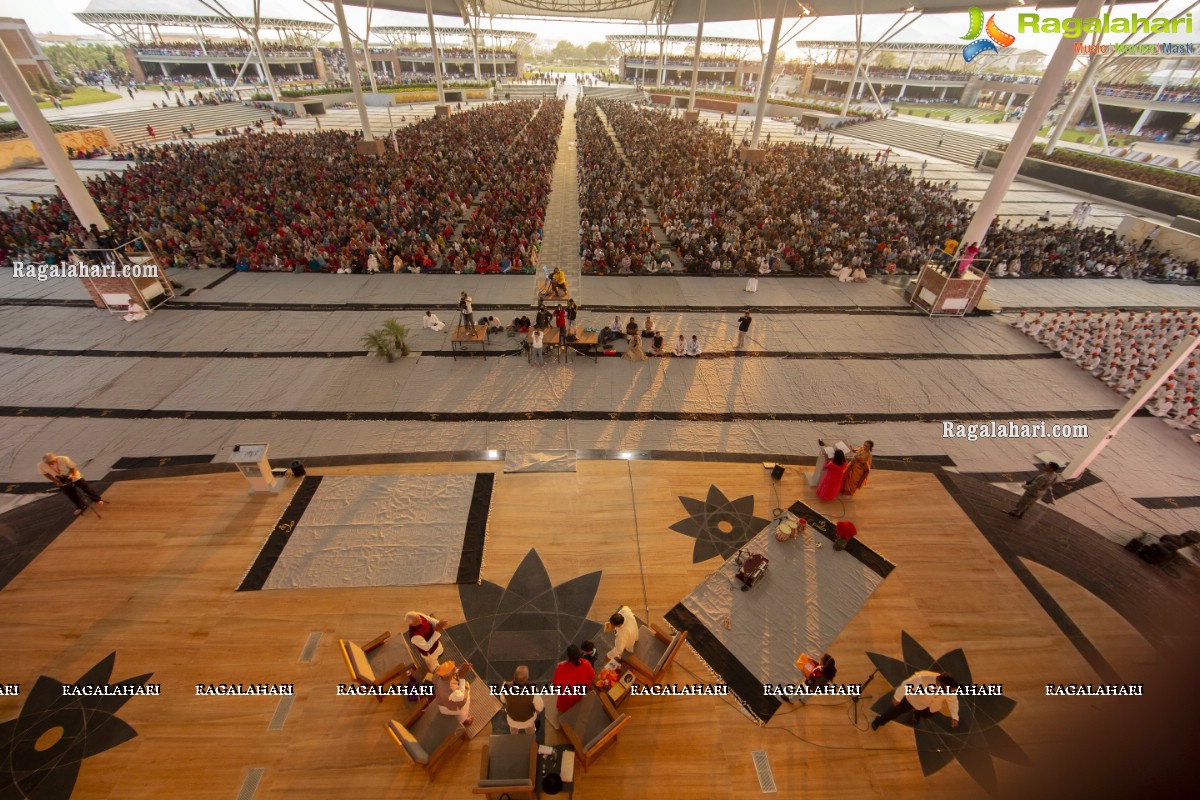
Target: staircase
[[954, 145], [626, 93], [527, 91], [130, 126]]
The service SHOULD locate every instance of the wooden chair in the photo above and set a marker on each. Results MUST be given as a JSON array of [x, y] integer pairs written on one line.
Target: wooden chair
[[389, 664], [653, 653], [508, 766], [591, 726], [429, 737]]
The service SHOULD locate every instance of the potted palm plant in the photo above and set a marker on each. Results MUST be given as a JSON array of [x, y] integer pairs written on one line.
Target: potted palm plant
[[380, 343], [399, 333]]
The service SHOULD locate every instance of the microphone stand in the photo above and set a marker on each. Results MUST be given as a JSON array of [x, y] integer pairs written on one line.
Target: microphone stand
[[859, 696]]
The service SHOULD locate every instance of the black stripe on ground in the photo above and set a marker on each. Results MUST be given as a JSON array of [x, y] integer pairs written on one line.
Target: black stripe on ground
[[525, 416], [1060, 489], [983, 520], [872, 560], [221, 279], [917, 463], [142, 462], [831, 356], [740, 680], [1168, 502], [260, 570], [899, 310], [29, 529], [470, 563]]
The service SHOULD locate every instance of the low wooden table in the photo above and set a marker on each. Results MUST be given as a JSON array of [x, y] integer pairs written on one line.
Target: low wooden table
[[463, 338], [561, 757], [586, 343]]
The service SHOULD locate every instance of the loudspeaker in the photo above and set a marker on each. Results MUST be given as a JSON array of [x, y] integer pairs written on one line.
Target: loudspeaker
[[777, 472], [298, 469]]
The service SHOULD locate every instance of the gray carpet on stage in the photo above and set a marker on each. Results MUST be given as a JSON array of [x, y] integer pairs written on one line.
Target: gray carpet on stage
[[809, 594], [380, 530]]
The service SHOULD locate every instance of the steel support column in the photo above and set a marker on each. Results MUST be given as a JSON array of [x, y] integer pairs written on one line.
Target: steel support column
[[20, 100], [1039, 104], [764, 78], [696, 56], [355, 81]]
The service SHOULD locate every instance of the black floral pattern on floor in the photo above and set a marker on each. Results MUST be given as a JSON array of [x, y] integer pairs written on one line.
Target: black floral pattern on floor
[[42, 750], [529, 622], [978, 737], [719, 525]]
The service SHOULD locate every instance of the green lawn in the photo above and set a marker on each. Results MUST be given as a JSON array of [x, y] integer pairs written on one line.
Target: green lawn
[[1076, 135], [956, 113], [83, 96]]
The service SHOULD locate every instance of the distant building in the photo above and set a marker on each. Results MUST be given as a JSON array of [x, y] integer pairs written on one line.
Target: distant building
[[25, 50], [1012, 61]]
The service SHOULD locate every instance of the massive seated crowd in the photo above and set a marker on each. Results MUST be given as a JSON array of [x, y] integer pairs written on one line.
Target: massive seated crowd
[[1123, 349], [308, 201], [503, 233], [615, 234], [807, 208], [1035, 250]]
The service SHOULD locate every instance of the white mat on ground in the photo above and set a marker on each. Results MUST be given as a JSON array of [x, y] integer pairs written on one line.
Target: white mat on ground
[[810, 593], [381, 530], [539, 461]]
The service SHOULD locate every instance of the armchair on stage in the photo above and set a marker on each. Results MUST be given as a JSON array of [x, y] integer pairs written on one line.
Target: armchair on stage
[[508, 767], [591, 726], [428, 737], [391, 663], [654, 652]]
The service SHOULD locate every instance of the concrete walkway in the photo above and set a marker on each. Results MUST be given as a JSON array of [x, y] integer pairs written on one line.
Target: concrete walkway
[[560, 230]]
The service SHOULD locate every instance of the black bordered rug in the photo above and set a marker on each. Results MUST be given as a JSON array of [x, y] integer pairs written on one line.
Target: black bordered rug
[[377, 530], [809, 594]]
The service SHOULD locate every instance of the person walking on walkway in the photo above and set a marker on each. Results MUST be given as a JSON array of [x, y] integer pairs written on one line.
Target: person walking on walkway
[[743, 327], [1035, 487]]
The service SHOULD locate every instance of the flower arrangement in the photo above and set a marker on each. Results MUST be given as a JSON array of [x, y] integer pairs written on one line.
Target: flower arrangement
[[606, 679]]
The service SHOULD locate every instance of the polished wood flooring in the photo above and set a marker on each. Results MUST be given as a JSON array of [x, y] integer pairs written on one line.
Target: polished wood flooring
[[154, 580]]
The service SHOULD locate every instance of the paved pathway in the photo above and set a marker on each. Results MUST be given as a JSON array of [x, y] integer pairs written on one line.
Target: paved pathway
[[560, 230]]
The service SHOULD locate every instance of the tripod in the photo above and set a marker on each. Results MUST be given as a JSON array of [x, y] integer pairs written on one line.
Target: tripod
[[859, 696], [85, 503]]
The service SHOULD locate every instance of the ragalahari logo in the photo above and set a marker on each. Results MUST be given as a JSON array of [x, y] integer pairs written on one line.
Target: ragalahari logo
[[994, 37]]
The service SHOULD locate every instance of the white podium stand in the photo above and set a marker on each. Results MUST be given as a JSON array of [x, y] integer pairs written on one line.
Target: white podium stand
[[251, 460], [825, 449]]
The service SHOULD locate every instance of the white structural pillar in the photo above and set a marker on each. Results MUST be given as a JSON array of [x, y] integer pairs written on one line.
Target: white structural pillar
[[1035, 114], [858, 56], [355, 81], [264, 67], [475, 50], [1099, 119], [20, 100], [437, 59], [696, 56], [1077, 97], [1145, 115], [662, 59], [211, 69], [764, 78], [1100, 439]]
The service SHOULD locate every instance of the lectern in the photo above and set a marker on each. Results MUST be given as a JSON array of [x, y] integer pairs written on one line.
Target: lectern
[[251, 460], [825, 450]]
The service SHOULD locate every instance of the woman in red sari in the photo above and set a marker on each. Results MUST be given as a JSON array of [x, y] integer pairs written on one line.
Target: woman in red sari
[[831, 479], [576, 671]]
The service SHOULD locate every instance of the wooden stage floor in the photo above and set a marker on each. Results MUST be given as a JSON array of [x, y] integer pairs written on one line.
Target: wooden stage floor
[[155, 580]]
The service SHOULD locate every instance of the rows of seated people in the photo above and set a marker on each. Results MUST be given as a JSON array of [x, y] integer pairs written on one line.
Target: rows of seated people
[[314, 203], [615, 234], [1123, 349], [806, 208], [815, 209]]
